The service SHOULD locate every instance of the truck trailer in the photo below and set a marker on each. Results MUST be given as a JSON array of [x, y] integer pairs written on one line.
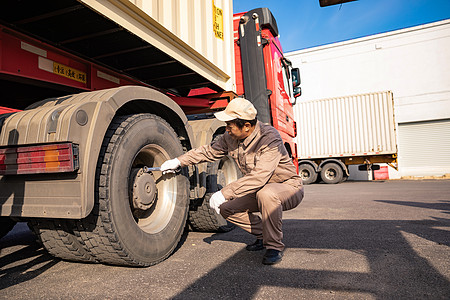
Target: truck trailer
[[342, 131], [93, 92]]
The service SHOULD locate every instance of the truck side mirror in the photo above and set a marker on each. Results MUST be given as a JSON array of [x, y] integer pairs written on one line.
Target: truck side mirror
[[297, 92], [295, 72]]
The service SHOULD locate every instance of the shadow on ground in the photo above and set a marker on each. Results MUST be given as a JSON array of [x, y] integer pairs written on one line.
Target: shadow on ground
[[24, 264], [395, 269]]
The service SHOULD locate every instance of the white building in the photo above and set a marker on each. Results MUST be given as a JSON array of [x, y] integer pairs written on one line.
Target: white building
[[414, 64]]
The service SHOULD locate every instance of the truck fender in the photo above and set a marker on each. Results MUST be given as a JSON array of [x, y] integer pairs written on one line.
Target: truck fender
[[83, 119], [310, 162], [339, 162]]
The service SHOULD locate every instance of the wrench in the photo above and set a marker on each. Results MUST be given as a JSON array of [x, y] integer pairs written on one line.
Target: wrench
[[148, 170]]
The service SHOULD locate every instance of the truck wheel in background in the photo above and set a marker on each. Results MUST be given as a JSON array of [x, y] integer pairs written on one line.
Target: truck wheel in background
[[332, 173], [307, 173], [6, 225], [219, 174], [138, 218]]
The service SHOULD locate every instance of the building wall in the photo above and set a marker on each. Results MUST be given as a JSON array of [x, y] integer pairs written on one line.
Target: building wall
[[413, 63]]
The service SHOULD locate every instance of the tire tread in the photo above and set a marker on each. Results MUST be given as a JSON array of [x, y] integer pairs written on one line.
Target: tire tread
[[60, 241]]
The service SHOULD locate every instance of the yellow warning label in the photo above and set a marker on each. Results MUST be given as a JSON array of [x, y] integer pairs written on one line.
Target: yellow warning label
[[217, 21], [69, 72]]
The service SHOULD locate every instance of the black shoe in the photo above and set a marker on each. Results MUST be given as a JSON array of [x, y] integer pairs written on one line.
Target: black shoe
[[256, 246], [272, 257]]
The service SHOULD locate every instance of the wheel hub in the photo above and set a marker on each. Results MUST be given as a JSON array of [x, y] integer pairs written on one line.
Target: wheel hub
[[305, 174], [143, 189], [331, 174]]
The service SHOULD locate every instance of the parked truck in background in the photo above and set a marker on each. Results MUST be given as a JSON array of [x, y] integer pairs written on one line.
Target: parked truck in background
[[339, 132], [93, 91]]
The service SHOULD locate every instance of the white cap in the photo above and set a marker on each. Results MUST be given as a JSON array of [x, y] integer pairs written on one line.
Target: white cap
[[238, 108]]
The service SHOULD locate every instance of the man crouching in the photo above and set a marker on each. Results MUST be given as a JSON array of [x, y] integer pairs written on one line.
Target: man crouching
[[270, 183]]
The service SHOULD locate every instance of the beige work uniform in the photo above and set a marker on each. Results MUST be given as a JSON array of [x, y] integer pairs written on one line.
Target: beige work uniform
[[270, 183]]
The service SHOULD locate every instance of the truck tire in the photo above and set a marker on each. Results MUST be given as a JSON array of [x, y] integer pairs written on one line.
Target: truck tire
[[307, 173], [201, 216], [6, 225], [59, 240], [332, 173], [138, 218]]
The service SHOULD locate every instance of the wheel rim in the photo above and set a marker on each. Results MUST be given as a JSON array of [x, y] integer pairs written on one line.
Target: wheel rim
[[227, 172], [156, 217], [330, 174], [305, 174]]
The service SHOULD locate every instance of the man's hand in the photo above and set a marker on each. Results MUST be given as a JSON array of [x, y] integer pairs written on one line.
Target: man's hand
[[216, 200], [169, 166]]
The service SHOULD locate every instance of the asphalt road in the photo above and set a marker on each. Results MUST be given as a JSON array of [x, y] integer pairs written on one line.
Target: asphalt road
[[355, 240]]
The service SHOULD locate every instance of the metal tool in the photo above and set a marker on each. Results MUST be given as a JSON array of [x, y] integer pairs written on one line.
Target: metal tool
[[148, 170]]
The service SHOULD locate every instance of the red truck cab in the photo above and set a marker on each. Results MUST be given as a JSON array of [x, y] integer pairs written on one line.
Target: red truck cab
[[263, 75]]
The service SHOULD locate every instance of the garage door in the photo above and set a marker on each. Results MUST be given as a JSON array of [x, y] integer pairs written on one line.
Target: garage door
[[424, 148]]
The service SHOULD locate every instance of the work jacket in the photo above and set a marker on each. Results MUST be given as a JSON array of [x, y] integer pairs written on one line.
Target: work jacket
[[261, 157]]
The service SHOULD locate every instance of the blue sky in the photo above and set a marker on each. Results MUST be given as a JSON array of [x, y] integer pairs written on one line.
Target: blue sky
[[304, 24]]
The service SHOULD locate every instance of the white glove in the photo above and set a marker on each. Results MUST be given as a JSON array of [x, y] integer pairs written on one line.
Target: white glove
[[169, 166], [216, 200]]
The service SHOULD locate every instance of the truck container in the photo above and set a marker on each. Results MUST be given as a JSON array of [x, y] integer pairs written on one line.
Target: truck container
[[337, 132], [94, 91]]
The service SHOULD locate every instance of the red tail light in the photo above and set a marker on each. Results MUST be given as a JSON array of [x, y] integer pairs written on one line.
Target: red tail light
[[49, 158]]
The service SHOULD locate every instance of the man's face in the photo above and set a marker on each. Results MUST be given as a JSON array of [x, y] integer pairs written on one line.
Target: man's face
[[236, 132]]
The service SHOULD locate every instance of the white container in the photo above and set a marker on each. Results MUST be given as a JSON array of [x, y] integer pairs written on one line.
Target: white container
[[346, 126], [197, 33]]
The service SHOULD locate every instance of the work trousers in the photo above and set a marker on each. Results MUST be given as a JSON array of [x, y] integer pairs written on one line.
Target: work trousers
[[270, 201]]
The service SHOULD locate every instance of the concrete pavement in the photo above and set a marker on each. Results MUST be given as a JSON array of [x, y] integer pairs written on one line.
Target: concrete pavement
[[355, 240]]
